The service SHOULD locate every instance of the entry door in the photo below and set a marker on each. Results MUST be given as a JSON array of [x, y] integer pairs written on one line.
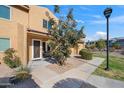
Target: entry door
[[36, 49]]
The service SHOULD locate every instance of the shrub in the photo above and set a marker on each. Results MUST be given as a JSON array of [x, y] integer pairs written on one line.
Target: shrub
[[116, 45], [11, 59], [100, 44], [85, 54], [22, 73]]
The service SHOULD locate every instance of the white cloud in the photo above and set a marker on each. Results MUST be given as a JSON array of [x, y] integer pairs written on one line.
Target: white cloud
[[115, 20], [96, 36], [97, 16], [101, 35], [118, 19], [80, 21], [98, 22]]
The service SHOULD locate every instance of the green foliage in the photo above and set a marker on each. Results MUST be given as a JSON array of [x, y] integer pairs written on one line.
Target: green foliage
[[11, 59], [116, 45], [23, 73], [56, 9], [85, 54], [92, 46], [116, 64], [63, 36], [70, 14], [100, 44]]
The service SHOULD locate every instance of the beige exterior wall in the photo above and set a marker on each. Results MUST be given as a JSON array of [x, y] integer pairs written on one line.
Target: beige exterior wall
[[36, 16], [17, 35], [80, 46], [76, 50], [19, 16], [20, 38], [22, 43], [15, 30], [8, 30]]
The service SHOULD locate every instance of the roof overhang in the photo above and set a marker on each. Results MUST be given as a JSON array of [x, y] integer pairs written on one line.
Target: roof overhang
[[37, 32], [22, 7]]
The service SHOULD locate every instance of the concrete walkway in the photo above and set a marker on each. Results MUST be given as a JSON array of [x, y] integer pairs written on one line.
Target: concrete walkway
[[47, 78], [5, 71], [38, 63], [103, 82]]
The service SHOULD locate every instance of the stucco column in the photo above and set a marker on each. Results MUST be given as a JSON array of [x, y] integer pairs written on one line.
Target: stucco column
[[22, 43]]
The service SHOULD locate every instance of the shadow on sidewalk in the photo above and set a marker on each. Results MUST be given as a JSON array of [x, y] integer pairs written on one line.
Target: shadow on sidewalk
[[72, 83], [79, 57]]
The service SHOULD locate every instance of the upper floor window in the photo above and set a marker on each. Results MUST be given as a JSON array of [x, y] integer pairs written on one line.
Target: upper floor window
[[45, 23], [4, 12]]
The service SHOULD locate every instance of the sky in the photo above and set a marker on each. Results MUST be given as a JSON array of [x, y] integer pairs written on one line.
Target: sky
[[93, 20]]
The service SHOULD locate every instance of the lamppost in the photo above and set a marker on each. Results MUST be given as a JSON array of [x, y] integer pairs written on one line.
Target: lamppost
[[107, 13]]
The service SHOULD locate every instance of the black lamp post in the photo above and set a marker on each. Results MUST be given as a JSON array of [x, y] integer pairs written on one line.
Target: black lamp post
[[107, 13]]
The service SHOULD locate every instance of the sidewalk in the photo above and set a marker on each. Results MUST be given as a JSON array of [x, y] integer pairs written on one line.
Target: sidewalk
[[5, 71], [48, 78], [103, 82]]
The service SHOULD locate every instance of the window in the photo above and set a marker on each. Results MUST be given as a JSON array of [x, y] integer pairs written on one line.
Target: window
[[4, 12], [4, 44], [45, 23]]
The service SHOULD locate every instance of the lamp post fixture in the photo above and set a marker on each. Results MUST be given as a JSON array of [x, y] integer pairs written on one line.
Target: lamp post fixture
[[107, 14]]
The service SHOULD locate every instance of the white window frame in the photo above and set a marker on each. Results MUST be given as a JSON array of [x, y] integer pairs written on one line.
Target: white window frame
[[47, 24], [33, 49]]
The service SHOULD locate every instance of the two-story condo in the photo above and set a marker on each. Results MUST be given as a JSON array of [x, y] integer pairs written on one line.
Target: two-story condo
[[25, 28]]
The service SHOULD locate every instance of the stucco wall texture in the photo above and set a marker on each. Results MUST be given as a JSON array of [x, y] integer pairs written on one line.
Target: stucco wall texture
[[16, 30]]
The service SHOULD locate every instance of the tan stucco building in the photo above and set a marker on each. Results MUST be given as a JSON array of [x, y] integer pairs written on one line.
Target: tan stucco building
[[25, 28]]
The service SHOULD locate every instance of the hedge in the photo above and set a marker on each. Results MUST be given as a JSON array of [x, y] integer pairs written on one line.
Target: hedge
[[86, 54]]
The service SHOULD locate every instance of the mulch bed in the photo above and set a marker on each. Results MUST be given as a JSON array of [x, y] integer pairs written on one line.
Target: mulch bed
[[69, 65]]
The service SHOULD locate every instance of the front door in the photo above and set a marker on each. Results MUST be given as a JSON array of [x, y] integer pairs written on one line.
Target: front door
[[36, 49]]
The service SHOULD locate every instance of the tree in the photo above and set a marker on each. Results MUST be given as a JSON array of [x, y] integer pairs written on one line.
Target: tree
[[64, 36], [100, 44], [56, 9]]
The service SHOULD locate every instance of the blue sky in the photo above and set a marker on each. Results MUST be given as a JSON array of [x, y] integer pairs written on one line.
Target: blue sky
[[92, 18]]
